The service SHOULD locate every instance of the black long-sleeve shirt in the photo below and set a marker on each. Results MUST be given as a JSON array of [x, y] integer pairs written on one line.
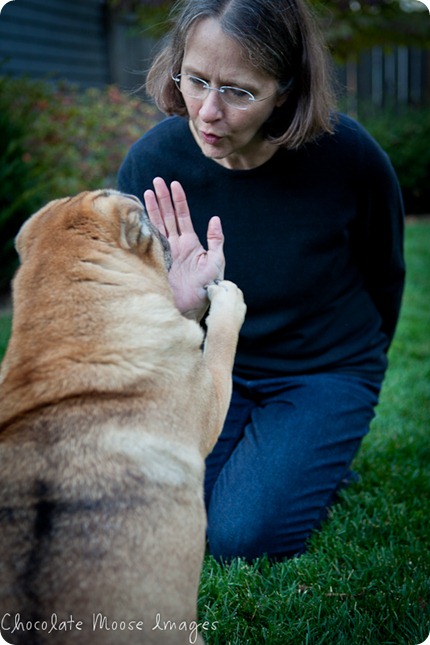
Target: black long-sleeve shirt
[[313, 237]]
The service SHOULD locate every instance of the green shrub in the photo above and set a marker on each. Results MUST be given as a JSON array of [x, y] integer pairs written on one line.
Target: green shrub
[[405, 137], [5, 332], [58, 141], [18, 188]]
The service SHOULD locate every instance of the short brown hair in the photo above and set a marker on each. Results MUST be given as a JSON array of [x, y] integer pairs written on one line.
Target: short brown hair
[[281, 38]]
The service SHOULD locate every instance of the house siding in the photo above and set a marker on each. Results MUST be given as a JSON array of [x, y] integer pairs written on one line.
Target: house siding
[[84, 42], [55, 38]]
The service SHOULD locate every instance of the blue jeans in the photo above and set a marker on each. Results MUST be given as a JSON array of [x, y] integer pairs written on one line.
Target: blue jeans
[[286, 448]]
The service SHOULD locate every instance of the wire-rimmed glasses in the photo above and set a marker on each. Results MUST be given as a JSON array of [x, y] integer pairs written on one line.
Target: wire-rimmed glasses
[[197, 88]]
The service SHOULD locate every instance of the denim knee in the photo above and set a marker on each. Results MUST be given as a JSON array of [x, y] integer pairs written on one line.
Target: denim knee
[[241, 537], [233, 539], [273, 478]]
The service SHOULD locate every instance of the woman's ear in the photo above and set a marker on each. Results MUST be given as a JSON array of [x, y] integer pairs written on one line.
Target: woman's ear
[[281, 99]]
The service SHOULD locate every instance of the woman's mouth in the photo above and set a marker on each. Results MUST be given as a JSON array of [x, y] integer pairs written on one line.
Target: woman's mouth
[[209, 138]]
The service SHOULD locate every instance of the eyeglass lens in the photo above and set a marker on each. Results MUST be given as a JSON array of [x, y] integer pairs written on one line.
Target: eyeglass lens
[[195, 87]]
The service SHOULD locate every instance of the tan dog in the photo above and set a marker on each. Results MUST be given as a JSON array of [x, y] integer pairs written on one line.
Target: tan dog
[[108, 408]]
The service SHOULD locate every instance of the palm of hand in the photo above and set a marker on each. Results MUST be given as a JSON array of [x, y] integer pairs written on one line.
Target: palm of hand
[[193, 267]]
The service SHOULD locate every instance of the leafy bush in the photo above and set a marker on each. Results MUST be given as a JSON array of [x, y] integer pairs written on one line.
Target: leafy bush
[[18, 188], [405, 137], [57, 141]]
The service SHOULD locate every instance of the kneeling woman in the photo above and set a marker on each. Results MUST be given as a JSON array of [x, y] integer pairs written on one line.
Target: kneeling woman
[[313, 223]]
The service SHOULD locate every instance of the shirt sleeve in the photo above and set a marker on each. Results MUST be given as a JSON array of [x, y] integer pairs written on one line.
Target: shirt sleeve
[[379, 234], [129, 178]]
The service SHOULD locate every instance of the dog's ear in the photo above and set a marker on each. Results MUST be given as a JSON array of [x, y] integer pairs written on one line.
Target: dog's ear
[[135, 230], [21, 240], [138, 232], [28, 231]]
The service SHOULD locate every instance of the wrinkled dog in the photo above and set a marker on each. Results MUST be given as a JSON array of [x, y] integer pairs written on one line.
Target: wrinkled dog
[[109, 406]]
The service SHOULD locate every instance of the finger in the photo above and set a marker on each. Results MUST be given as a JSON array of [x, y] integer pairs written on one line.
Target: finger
[[183, 215], [152, 208], [166, 206]]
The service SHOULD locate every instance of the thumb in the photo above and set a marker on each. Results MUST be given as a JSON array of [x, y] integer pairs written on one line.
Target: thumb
[[215, 235], [215, 245]]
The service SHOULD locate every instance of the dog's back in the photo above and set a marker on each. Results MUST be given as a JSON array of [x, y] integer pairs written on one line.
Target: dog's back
[[84, 509]]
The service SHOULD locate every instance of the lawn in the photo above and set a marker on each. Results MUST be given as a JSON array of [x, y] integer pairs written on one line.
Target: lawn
[[365, 579]]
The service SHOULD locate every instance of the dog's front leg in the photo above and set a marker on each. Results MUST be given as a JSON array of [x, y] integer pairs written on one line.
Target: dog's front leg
[[226, 315]]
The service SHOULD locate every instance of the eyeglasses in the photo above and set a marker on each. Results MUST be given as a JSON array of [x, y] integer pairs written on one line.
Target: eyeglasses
[[197, 88]]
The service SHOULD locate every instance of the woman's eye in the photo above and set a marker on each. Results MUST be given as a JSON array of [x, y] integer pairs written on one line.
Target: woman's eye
[[237, 93], [197, 82]]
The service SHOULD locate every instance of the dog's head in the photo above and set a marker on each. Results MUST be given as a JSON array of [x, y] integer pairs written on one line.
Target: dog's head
[[93, 276], [103, 217]]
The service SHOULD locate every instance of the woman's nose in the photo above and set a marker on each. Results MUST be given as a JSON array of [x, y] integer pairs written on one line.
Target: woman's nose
[[212, 106]]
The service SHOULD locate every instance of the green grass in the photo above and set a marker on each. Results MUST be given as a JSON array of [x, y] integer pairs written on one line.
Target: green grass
[[365, 579]]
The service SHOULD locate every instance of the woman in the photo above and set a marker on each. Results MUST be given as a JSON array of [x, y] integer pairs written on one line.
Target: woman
[[313, 222]]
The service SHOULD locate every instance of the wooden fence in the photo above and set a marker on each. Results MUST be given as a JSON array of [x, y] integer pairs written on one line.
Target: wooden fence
[[382, 79]]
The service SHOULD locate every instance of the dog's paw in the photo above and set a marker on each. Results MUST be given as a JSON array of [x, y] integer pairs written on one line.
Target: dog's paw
[[226, 296]]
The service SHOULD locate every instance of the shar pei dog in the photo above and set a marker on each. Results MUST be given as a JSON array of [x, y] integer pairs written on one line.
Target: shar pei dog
[[110, 401]]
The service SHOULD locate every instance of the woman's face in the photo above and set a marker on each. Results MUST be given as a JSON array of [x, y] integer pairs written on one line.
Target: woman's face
[[226, 134]]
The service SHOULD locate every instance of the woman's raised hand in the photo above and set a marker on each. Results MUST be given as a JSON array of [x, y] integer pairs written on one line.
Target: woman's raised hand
[[193, 268]]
